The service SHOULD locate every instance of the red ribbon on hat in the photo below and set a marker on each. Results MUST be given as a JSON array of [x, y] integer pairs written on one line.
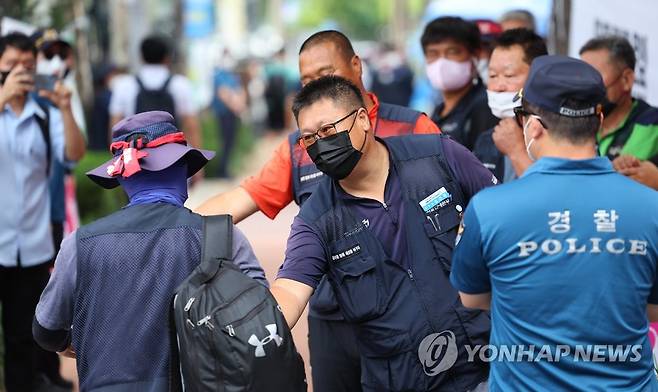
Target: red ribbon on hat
[[127, 163]]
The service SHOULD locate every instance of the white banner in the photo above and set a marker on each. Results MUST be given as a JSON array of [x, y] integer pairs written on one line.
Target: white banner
[[632, 19]]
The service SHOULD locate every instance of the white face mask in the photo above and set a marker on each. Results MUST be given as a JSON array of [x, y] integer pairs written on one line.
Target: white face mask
[[525, 137], [502, 103], [55, 66], [483, 69], [449, 75]]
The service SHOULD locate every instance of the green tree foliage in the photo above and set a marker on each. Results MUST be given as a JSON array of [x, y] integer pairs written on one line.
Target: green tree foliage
[[358, 19]]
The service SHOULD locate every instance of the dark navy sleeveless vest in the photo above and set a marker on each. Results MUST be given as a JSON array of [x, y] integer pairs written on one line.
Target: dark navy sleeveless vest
[[128, 265], [402, 313]]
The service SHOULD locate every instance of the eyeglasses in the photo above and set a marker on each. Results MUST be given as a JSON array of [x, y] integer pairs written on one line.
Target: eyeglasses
[[308, 139], [520, 113]]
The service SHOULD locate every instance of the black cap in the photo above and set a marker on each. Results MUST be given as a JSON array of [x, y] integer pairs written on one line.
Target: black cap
[[44, 39], [554, 79]]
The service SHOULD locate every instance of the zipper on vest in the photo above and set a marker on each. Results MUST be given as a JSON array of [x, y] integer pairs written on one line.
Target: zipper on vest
[[385, 205], [420, 298]]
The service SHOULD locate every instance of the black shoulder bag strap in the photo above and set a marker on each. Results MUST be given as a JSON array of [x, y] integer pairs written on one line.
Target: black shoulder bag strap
[[44, 126], [140, 85], [216, 247], [165, 86]]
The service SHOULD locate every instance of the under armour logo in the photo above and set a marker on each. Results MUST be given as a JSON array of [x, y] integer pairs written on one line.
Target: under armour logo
[[260, 344], [366, 223]]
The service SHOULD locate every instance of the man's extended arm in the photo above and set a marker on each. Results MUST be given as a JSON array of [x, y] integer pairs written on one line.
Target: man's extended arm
[[269, 191], [236, 202], [292, 296], [302, 270]]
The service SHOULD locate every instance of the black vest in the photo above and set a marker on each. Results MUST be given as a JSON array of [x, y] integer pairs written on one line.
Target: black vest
[[402, 312], [128, 265]]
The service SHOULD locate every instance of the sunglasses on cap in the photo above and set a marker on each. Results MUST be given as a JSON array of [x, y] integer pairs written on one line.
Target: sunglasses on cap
[[520, 113], [55, 49]]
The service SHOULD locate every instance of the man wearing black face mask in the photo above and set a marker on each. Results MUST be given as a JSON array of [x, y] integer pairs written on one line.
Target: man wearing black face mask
[[382, 230], [630, 126]]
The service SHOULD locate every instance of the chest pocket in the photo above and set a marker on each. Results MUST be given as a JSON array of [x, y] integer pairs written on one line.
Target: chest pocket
[[441, 228], [356, 281]]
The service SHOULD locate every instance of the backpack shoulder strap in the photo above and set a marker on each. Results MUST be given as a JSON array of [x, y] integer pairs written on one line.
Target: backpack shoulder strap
[[165, 85], [175, 379], [140, 84], [216, 247], [44, 126], [217, 238]]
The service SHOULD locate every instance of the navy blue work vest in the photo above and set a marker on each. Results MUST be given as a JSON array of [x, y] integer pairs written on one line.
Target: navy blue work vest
[[395, 307], [128, 265]]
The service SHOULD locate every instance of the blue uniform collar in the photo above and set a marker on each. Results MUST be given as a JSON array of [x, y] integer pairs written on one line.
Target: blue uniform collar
[[599, 165]]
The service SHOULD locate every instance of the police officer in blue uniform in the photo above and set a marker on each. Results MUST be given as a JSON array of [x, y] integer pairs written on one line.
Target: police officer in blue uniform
[[381, 227], [565, 257]]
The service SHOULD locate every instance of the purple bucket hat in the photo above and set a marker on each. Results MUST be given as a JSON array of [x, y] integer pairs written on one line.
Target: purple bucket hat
[[149, 141]]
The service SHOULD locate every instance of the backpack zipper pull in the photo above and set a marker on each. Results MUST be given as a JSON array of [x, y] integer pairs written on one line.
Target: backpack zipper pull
[[203, 321], [230, 330], [188, 305]]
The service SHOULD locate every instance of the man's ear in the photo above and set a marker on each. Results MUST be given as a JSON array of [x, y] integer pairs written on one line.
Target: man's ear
[[364, 120], [357, 67], [628, 79], [601, 117], [535, 130]]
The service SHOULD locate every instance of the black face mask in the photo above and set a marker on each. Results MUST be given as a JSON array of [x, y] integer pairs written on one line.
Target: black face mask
[[608, 107], [334, 155]]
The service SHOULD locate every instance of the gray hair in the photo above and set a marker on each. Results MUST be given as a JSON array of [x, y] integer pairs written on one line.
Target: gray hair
[[522, 15], [618, 47]]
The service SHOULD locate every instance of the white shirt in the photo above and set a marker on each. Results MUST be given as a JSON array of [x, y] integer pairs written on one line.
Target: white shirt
[[124, 92], [25, 201]]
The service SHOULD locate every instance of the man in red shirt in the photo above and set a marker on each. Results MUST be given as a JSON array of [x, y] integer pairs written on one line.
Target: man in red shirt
[[291, 176]]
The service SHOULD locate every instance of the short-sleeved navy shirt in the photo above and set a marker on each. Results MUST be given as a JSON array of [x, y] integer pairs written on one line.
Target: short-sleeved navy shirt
[[305, 260]]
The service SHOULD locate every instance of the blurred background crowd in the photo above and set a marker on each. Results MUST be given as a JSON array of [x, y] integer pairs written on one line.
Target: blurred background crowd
[[231, 66], [249, 48]]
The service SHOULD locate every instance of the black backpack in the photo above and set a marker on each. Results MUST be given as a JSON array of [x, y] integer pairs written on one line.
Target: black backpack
[[158, 99], [229, 333]]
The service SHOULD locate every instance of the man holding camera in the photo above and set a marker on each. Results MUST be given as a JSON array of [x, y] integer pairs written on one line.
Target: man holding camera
[[32, 136]]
